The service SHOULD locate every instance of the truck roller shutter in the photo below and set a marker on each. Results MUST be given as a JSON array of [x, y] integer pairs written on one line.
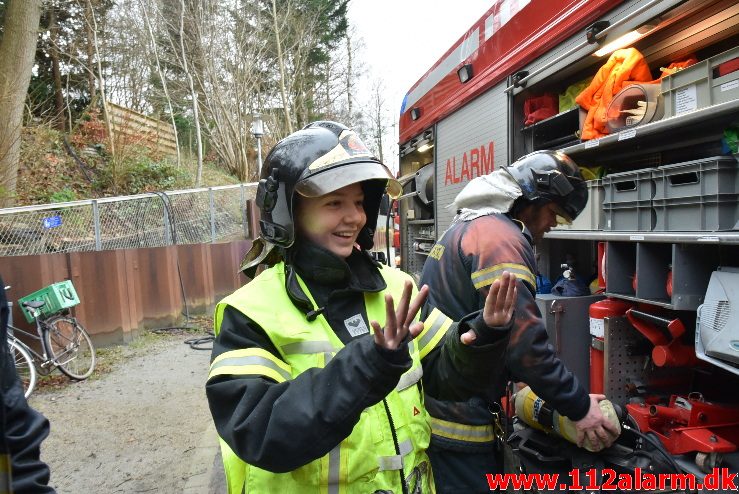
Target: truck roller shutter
[[464, 141]]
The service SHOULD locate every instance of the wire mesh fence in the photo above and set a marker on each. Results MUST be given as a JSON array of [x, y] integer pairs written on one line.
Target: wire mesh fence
[[145, 220]]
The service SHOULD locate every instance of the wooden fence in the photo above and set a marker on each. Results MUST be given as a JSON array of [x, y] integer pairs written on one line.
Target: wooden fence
[[131, 127]]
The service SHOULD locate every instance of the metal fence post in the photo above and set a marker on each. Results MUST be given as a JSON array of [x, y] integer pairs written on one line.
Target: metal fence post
[[244, 215], [96, 225], [212, 216], [167, 226]]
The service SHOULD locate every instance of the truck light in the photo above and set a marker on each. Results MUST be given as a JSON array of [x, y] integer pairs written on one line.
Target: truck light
[[624, 40], [465, 73]]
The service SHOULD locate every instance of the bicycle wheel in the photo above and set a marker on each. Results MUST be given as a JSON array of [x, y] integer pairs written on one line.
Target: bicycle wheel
[[23, 366], [69, 347]]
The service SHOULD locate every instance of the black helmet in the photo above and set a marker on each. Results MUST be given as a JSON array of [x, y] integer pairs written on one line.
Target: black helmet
[[551, 176], [321, 158]]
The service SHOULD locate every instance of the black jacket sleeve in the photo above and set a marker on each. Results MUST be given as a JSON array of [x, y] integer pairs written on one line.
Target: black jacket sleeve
[[456, 372], [282, 426], [23, 428], [531, 359]]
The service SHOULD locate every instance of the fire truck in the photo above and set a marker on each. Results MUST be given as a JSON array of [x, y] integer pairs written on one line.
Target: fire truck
[[659, 333]]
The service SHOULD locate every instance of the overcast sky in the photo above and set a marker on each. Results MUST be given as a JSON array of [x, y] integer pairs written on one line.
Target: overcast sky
[[403, 38]]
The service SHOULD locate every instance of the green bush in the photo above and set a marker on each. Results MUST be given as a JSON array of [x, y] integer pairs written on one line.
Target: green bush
[[64, 195], [137, 173], [145, 175]]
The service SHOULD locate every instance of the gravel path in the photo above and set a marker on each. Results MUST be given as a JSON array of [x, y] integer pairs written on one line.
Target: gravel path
[[142, 426]]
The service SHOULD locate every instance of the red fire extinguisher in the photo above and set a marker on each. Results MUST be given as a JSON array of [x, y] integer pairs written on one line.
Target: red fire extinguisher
[[598, 312]]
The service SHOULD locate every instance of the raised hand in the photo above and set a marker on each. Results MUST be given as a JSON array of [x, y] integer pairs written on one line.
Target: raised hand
[[399, 322], [499, 305]]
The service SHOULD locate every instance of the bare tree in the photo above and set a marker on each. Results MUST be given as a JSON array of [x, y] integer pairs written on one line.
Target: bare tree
[[340, 82], [56, 72], [163, 79], [91, 34], [281, 64], [193, 95], [101, 81], [349, 89], [378, 116], [17, 50], [233, 84], [130, 69]]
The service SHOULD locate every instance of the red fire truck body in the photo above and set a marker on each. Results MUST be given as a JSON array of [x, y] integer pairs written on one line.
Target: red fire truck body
[[661, 230]]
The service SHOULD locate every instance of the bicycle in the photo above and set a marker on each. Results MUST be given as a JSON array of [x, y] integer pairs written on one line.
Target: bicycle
[[65, 344]]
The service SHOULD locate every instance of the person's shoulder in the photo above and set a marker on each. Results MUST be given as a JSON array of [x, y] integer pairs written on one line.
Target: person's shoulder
[[257, 285], [499, 221], [497, 229], [395, 274]]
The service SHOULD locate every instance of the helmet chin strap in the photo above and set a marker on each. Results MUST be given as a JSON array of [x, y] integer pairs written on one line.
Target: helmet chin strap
[[275, 233], [365, 239]]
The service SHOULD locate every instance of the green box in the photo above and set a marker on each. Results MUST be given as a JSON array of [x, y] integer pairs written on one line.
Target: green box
[[57, 296]]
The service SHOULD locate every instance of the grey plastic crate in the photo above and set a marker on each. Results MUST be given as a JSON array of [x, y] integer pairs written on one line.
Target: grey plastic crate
[[689, 214], [697, 195], [627, 203], [699, 178], [698, 87], [635, 216], [627, 187], [592, 216]]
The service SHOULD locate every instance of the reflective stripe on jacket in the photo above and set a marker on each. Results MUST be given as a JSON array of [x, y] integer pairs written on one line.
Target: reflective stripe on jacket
[[390, 438]]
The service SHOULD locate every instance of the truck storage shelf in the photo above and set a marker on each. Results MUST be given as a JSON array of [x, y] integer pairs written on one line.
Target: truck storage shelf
[[421, 222], [666, 237], [661, 303], [685, 128], [555, 121]]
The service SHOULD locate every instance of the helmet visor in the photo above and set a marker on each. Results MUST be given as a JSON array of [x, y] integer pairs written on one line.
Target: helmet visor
[[334, 178], [573, 203], [562, 217]]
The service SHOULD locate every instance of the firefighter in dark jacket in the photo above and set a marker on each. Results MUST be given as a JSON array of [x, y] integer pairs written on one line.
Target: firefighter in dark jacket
[[23, 428], [303, 398], [500, 216]]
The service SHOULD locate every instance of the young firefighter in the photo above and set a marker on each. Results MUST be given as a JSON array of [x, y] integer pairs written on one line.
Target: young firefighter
[[303, 398], [500, 217]]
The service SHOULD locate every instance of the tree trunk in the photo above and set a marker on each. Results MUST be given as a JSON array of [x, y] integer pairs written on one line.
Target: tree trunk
[[349, 95], [164, 81], [56, 72], [194, 96], [17, 52], [101, 83], [281, 63], [378, 111], [89, 14]]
